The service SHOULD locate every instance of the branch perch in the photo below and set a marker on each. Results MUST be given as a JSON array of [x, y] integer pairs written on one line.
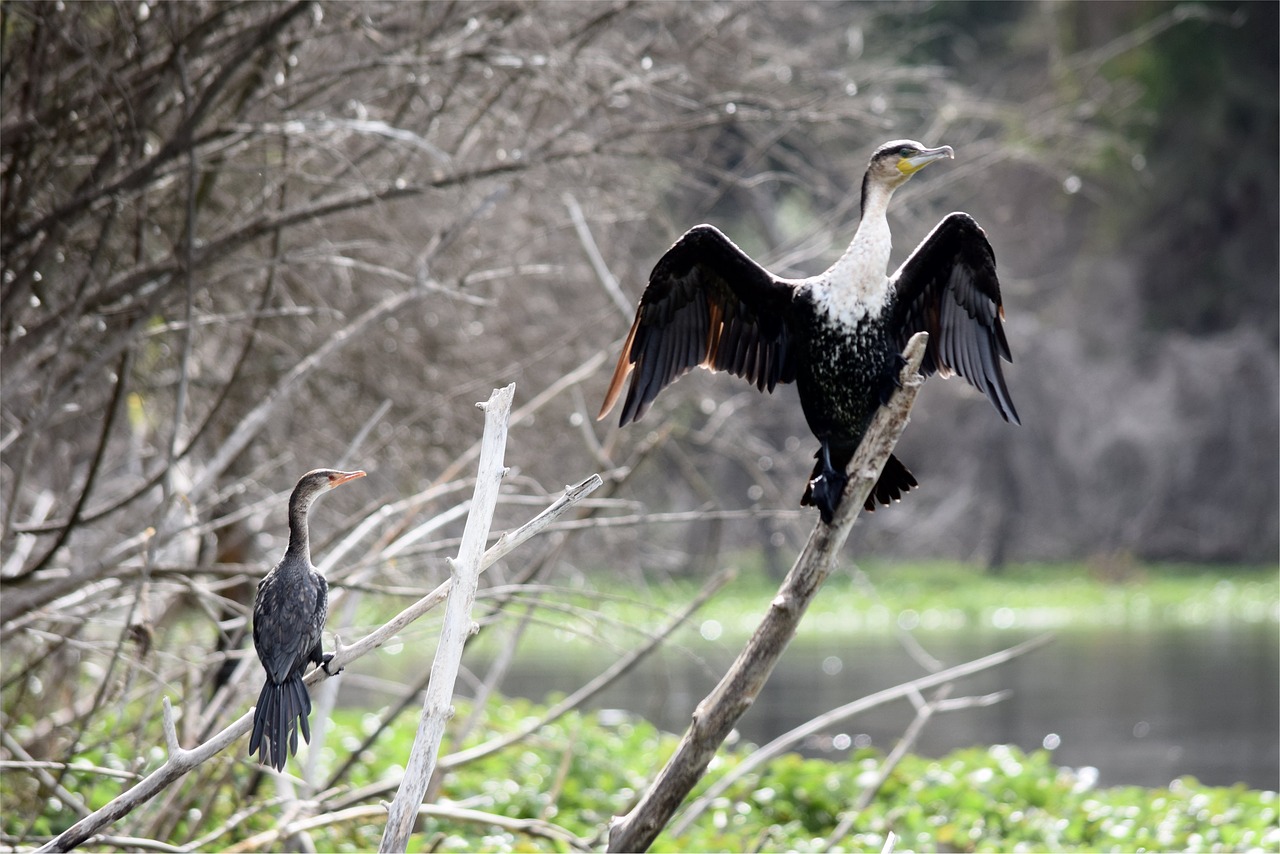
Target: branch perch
[[457, 627], [717, 714]]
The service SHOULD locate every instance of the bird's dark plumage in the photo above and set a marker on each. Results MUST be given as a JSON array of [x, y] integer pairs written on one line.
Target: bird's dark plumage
[[288, 621], [838, 335], [707, 304]]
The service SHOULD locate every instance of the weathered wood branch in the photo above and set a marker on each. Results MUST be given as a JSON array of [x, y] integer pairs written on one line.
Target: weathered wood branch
[[366, 814], [717, 714], [575, 700], [457, 626]]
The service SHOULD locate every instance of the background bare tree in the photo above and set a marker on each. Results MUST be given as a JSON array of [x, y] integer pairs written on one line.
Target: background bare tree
[[243, 240]]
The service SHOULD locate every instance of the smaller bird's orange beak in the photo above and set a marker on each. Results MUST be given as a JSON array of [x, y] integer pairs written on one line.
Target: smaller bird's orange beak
[[342, 477]]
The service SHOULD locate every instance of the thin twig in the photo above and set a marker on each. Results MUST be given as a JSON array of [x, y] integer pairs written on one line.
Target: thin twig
[[607, 280], [924, 712], [599, 683], [610, 675], [372, 812], [787, 740]]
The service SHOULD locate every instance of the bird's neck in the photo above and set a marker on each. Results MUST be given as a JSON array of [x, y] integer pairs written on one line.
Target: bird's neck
[[299, 544], [858, 283]]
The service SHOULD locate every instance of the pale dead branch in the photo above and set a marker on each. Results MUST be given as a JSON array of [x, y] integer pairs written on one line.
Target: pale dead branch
[[825, 721], [457, 627]]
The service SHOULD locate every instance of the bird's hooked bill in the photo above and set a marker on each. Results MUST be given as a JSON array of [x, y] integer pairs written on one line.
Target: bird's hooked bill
[[923, 158], [339, 478]]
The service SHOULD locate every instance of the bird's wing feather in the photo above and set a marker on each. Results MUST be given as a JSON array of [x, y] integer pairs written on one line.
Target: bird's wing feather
[[707, 304], [280, 610], [948, 288]]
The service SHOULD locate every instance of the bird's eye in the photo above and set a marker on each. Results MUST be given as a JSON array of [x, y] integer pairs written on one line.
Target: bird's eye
[[906, 151]]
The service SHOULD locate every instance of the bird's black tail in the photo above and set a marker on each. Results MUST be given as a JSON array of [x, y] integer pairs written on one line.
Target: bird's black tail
[[895, 479], [281, 707]]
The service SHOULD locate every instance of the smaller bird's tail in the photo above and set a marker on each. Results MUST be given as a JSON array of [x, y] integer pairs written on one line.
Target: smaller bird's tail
[[281, 707]]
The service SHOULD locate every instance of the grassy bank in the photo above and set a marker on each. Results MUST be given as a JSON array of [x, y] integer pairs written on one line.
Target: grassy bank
[[583, 768], [880, 597]]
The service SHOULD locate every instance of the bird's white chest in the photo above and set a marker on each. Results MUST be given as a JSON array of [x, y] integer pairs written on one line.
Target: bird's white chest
[[856, 286]]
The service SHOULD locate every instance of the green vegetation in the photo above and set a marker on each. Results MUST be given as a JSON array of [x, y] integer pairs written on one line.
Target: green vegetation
[[581, 770]]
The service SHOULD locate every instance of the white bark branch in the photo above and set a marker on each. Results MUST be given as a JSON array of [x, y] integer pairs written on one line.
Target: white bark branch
[[457, 627], [367, 814]]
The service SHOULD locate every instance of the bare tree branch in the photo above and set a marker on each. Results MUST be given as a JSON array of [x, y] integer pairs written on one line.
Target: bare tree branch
[[826, 720], [608, 281], [925, 711], [717, 714], [457, 627], [372, 813]]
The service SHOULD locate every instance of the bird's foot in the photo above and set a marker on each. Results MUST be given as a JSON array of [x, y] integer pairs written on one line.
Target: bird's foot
[[324, 665], [892, 380], [826, 490]]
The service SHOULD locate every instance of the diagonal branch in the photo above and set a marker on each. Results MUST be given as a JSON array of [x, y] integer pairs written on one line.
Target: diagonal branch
[[717, 714]]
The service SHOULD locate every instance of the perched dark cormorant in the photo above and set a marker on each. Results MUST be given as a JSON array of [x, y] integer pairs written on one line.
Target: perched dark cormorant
[[838, 335], [288, 620]]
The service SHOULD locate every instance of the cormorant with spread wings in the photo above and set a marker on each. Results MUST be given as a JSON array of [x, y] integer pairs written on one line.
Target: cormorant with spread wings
[[838, 335]]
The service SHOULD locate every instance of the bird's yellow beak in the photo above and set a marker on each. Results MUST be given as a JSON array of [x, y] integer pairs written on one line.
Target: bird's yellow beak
[[913, 164]]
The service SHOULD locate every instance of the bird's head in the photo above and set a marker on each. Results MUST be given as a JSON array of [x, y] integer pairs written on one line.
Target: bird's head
[[315, 482], [894, 163]]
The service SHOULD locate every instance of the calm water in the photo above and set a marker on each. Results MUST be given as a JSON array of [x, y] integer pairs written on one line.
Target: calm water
[[1142, 706]]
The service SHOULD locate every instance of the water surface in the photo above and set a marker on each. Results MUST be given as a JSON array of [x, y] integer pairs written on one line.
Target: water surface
[[1143, 706]]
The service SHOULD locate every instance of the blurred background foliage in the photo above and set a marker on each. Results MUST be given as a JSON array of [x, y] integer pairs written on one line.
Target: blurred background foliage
[[167, 249]]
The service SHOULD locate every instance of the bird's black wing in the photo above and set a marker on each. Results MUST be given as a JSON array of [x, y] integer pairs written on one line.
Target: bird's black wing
[[283, 616], [316, 652], [707, 304], [948, 288]]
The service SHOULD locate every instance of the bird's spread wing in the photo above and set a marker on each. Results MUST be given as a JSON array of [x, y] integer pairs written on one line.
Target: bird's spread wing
[[948, 288], [708, 304]]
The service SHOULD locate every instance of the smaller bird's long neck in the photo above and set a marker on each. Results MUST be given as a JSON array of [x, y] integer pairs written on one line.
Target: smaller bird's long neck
[[299, 545]]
